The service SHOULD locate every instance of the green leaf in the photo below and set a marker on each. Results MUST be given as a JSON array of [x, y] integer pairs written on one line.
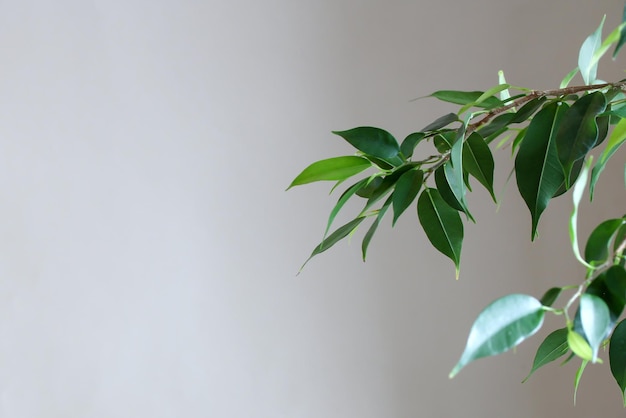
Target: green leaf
[[553, 347], [342, 201], [617, 357], [599, 242], [467, 97], [338, 168], [372, 185], [616, 139], [339, 234], [568, 78], [596, 320], [385, 187], [445, 191], [407, 188], [622, 38], [410, 142], [491, 92], [588, 68], [504, 94], [616, 285], [579, 345], [537, 168], [577, 195], [497, 124], [441, 122], [372, 229], [478, 161], [504, 324], [578, 130], [442, 225], [454, 172], [550, 296], [606, 44], [579, 375], [375, 142], [529, 109]]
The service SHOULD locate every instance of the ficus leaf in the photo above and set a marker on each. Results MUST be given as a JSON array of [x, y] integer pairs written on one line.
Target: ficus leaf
[[467, 97], [442, 225], [599, 242], [579, 345], [478, 161], [578, 130], [553, 347], [622, 34], [577, 195], [441, 122], [337, 168], [502, 325], [375, 142], [588, 68], [367, 238], [537, 168], [616, 139], [617, 357], [579, 375], [444, 189], [595, 319], [343, 199], [407, 188], [410, 142], [550, 296]]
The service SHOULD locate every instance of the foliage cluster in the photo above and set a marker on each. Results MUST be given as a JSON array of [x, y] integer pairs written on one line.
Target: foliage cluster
[[551, 134]]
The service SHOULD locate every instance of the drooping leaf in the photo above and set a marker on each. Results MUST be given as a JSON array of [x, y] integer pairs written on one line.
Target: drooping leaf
[[577, 195], [375, 142], [339, 234], [410, 142], [337, 168], [467, 97], [502, 325], [537, 168], [373, 184], [616, 139], [588, 68], [616, 285], [599, 242], [442, 225], [445, 191], [578, 130], [367, 238], [603, 129], [454, 172], [595, 319], [550, 296], [617, 357], [386, 186], [553, 347], [407, 188], [342, 201], [622, 34], [579, 375], [579, 345], [573, 176], [441, 122], [478, 161]]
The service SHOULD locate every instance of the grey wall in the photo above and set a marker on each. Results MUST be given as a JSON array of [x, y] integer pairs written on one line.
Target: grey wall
[[148, 250]]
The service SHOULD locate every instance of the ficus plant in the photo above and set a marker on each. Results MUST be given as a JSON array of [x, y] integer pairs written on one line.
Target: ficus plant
[[552, 134]]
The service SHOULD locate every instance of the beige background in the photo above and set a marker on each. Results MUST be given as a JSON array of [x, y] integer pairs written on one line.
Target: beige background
[[148, 250]]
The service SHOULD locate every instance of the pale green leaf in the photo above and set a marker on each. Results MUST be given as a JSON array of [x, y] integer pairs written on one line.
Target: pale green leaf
[[595, 319], [577, 195], [616, 139], [579, 375], [588, 68], [334, 169]]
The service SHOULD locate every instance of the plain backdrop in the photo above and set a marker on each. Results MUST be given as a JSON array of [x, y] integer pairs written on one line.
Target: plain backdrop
[[148, 250]]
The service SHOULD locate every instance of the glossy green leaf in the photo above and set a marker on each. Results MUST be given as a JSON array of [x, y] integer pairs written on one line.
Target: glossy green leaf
[[339, 234], [595, 319], [441, 122], [615, 279], [588, 68], [407, 188], [375, 142], [550, 296], [478, 161], [606, 44], [454, 172], [410, 142], [573, 176], [568, 78], [622, 37], [579, 375], [504, 324], [372, 185], [600, 240], [577, 195], [367, 238], [467, 97], [616, 139], [553, 347], [343, 199], [497, 124], [617, 357], [537, 168], [445, 191], [529, 109], [338, 168], [579, 345], [578, 130], [385, 187], [442, 225]]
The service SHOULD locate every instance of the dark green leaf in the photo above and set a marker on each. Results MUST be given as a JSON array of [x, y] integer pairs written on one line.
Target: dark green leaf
[[550, 296], [573, 176], [407, 188], [454, 172], [612, 295], [467, 97], [603, 129], [595, 320], [537, 168], [367, 190], [338, 168], [441, 122], [504, 324], [578, 131], [442, 225], [616, 285], [616, 139], [599, 242], [342, 201], [518, 140], [553, 347], [529, 109], [445, 191], [478, 161], [410, 142], [617, 357], [622, 35], [443, 142], [372, 229], [375, 142], [385, 186], [339, 234], [497, 124]]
